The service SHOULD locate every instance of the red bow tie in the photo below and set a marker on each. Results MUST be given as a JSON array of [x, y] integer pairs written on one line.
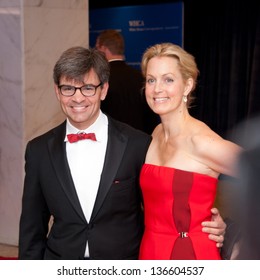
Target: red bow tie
[[80, 136]]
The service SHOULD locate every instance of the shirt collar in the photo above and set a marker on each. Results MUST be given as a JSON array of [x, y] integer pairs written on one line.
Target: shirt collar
[[96, 127]]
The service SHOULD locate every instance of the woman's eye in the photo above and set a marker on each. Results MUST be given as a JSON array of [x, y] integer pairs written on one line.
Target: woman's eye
[[169, 80], [150, 81]]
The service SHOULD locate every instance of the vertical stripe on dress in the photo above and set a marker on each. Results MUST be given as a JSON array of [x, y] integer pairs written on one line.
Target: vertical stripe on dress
[[181, 188]]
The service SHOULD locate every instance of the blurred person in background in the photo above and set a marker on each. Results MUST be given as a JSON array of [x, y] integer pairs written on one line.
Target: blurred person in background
[[125, 100], [246, 191]]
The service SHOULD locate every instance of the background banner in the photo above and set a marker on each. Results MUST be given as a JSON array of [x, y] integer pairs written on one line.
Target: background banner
[[141, 26]]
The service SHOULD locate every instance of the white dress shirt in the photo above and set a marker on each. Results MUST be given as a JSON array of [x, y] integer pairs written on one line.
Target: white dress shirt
[[86, 160]]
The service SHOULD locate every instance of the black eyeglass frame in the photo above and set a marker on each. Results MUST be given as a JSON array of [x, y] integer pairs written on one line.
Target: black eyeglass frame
[[80, 88]]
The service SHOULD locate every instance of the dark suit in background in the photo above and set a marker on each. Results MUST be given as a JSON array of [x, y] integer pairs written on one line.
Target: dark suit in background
[[125, 100]]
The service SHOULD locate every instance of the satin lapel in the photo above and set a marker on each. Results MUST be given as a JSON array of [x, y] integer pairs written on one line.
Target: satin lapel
[[115, 149], [57, 148]]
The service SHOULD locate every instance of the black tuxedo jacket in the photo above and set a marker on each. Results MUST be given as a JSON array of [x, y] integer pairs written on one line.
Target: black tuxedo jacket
[[116, 225]]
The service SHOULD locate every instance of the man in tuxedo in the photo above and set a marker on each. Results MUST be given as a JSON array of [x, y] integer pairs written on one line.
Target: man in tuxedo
[[125, 100], [84, 173]]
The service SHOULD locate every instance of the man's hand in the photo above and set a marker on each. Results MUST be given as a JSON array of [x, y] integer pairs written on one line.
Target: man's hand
[[215, 228]]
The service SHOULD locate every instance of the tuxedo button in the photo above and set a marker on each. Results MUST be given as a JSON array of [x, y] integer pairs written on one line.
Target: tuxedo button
[[90, 226]]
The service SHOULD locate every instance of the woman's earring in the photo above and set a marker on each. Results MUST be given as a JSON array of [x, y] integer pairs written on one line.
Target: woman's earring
[[184, 98]]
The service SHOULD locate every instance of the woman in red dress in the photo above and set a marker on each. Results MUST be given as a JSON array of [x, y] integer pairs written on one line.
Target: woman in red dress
[[180, 175]]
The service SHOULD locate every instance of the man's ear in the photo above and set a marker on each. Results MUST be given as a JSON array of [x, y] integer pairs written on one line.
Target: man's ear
[[104, 90], [57, 91]]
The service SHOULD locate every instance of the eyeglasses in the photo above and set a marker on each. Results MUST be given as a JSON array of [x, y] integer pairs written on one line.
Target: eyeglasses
[[86, 90]]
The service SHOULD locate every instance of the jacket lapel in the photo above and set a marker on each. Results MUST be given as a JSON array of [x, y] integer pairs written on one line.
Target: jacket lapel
[[57, 148], [116, 146]]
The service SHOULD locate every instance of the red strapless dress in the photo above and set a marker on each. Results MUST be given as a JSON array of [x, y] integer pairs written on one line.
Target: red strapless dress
[[175, 204]]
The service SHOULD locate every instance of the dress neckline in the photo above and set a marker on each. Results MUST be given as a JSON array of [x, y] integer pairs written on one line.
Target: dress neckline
[[178, 169]]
